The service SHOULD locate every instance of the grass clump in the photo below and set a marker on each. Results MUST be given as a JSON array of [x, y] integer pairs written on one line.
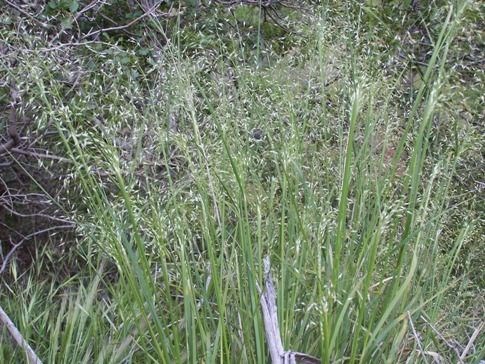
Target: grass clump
[[189, 166]]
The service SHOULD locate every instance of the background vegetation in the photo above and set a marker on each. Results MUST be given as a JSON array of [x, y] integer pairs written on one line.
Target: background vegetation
[[153, 153]]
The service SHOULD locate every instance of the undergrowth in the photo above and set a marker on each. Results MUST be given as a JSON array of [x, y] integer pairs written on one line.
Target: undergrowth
[[185, 163]]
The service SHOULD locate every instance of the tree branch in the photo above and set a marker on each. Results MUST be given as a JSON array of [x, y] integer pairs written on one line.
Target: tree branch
[[18, 338], [270, 317]]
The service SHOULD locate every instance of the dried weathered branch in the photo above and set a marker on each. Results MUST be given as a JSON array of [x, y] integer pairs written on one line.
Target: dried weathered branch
[[270, 316], [458, 354], [18, 338], [471, 341], [35, 154], [415, 334], [272, 330]]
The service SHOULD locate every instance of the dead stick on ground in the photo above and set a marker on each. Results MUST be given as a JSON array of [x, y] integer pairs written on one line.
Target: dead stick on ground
[[470, 342], [272, 330], [17, 337]]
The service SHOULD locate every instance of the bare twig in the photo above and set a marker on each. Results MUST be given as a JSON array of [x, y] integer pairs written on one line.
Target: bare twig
[[18, 338], [263, 4], [76, 17], [27, 237], [87, 8], [7, 257], [66, 45], [471, 341], [416, 336], [40, 155], [9, 228], [6, 195], [298, 7], [7, 146], [16, 213], [121, 27], [274, 16], [442, 337], [22, 198], [30, 16]]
